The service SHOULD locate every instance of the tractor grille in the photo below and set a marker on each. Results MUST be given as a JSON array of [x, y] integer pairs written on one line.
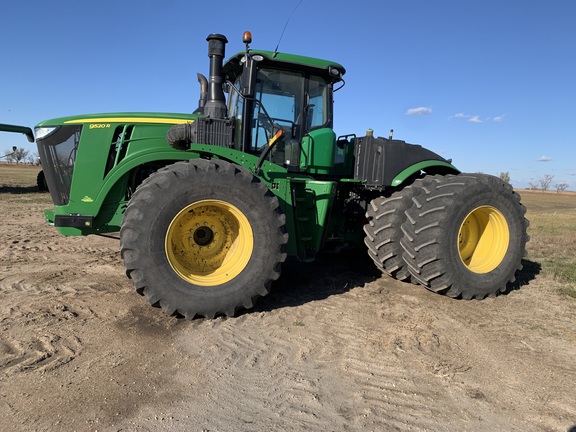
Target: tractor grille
[[58, 154]]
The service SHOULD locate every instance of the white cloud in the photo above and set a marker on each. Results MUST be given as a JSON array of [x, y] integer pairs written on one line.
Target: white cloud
[[471, 118], [544, 159], [419, 111], [477, 119]]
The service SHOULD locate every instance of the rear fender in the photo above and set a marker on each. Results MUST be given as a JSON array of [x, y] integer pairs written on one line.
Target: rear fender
[[382, 162], [429, 167]]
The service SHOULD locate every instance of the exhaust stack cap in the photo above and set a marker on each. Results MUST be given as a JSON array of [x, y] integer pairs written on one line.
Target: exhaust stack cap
[[216, 44]]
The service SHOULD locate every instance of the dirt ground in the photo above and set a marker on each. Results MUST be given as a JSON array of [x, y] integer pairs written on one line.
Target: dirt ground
[[334, 347]]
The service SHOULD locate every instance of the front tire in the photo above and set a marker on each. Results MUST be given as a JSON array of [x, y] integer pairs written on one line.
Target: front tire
[[203, 238], [41, 182], [465, 235]]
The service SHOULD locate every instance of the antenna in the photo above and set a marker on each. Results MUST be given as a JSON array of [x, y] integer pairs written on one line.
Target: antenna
[[286, 25]]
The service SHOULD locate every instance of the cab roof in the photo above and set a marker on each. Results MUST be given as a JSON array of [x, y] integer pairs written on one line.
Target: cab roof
[[233, 67]]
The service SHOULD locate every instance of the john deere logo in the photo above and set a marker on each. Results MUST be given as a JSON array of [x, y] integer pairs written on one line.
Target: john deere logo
[[87, 199]]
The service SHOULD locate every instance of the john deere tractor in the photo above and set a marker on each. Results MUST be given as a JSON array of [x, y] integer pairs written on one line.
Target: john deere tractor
[[210, 204]]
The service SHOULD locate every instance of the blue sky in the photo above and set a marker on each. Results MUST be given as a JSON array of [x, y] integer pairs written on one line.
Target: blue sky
[[490, 84]]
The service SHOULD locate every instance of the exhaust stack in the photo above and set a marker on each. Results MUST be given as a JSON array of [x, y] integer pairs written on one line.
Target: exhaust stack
[[203, 93], [215, 106]]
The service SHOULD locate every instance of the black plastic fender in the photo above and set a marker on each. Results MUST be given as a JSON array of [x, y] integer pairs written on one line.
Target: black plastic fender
[[379, 161]]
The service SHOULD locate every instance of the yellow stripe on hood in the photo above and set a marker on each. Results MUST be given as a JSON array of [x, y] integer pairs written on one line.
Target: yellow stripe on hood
[[157, 120]]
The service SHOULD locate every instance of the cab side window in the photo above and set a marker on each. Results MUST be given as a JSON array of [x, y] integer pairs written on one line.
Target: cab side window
[[318, 115]]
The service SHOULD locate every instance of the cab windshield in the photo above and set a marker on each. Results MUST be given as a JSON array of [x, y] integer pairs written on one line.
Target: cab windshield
[[286, 100]]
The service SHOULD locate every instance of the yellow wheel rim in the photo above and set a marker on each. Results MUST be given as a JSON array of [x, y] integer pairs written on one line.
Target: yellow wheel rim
[[483, 239], [209, 242]]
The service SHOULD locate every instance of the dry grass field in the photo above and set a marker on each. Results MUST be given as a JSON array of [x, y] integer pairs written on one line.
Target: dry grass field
[[334, 347], [552, 218], [20, 175]]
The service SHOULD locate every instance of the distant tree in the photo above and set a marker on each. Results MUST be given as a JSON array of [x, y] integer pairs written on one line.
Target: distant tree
[[561, 187], [8, 156], [20, 155], [533, 186], [545, 181], [505, 176]]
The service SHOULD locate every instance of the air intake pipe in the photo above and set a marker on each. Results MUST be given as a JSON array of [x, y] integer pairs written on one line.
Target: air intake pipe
[[180, 136], [216, 102]]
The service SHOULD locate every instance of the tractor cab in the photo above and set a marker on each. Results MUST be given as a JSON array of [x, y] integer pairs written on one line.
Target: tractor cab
[[284, 102]]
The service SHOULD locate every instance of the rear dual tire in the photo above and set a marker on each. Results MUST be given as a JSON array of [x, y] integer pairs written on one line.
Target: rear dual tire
[[385, 216], [462, 235]]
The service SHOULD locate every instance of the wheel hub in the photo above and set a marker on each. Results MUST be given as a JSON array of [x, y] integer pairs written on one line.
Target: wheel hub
[[203, 236], [209, 242]]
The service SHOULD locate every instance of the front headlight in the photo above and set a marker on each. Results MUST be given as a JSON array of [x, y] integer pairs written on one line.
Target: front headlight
[[43, 132]]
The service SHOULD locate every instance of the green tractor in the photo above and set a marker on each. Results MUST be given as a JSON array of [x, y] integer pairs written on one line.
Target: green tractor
[[210, 204], [40, 179], [18, 129]]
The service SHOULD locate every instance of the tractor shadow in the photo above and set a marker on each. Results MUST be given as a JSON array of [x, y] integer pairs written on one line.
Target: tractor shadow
[[328, 275], [18, 190], [530, 270]]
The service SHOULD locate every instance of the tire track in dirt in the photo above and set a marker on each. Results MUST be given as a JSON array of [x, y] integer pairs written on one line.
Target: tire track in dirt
[[27, 250], [43, 310], [289, 366], [383, 393], [375, 348], [43, 353], [264, 373], [40, 325], [34, 337], [65, 282]]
